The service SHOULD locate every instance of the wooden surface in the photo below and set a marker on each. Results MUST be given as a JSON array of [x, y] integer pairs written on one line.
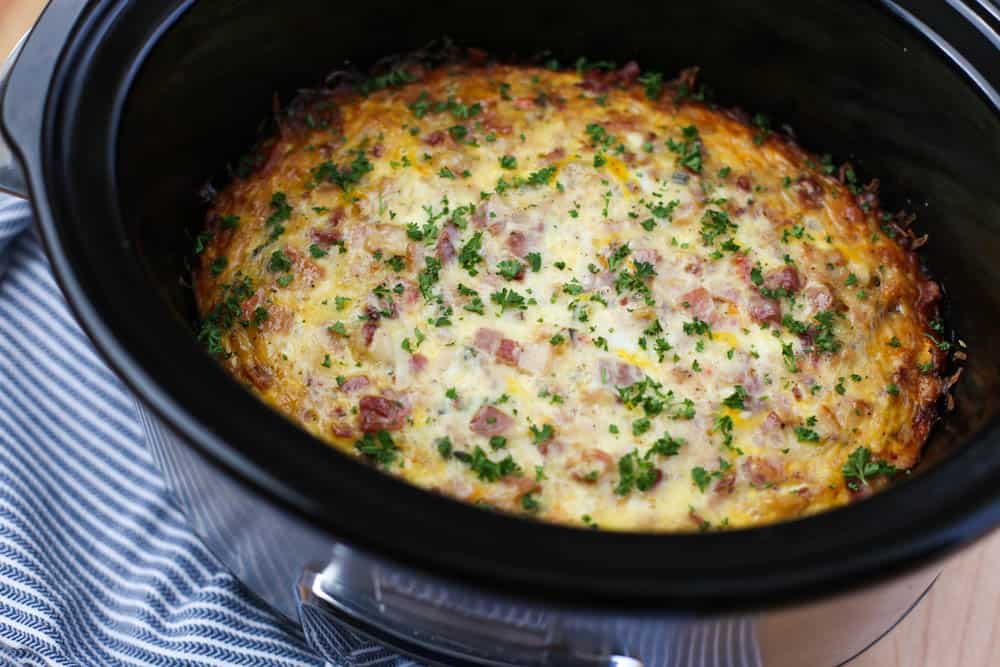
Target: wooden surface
[[957, 624]]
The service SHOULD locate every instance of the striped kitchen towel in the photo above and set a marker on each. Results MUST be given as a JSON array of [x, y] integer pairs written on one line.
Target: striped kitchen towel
[[97, 567]]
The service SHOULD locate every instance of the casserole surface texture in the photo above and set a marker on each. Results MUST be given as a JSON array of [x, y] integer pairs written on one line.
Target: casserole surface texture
[[586, 296]]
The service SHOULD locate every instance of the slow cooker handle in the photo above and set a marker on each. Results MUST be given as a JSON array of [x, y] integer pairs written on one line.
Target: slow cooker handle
[[12, 179], [350, 601]]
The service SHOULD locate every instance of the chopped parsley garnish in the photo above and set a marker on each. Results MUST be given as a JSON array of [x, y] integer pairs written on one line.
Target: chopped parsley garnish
[[648, 394], [805, 432], [498, 442], [689, 150], [344, 177], [219, 265], [508, 299], [635, 473], [226, 312], [698, 328], [508, 162], [327, 363], [396, 262], [444, 447], [715, 224], [379, 448], [616, 258], [317, 251], [635, 280], [702, 478], [788, 356], [534, 261], [510, 268], [860, 467], [394, 78], [735, 400], [652, 83], [543, 434], [279, 262], [640, 426], [469, 255], [557, 339], [487, 470]]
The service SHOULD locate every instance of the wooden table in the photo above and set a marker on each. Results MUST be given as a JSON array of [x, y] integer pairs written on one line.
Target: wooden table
[[957, 625]]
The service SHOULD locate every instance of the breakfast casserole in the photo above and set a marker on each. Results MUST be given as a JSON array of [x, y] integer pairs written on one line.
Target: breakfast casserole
[[585, 295]]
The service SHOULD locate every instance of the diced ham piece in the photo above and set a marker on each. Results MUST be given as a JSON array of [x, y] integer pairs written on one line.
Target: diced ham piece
[[435, 138], [517, 244], [810, 192], [354, 383], [487, 340], [490, 421], [701, 304], [819, 297], [761, 471], [446, 243], [764, 310], [786, 278], [329, 233], [377, 413], [508, 352], [417, 363]]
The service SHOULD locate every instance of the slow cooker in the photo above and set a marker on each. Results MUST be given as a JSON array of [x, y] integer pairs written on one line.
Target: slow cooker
[[116, 113]]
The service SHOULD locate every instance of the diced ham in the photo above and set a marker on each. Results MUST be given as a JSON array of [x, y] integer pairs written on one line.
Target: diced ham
[[761, 471], [786, 278], [725, 485], [773, 422], [508, 352], [354, 383], [487, 340], [377, 413], [490, 421], [764, 310], [370, 325], [554, 155], [516, 243], [810, 192], [743, 181], [435, 138], [329, 233], [819, 297], [446, 243], [417, 363], [701, 304]]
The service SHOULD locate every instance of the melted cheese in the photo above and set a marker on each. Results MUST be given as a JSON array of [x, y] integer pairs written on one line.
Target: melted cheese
[[634, 287]]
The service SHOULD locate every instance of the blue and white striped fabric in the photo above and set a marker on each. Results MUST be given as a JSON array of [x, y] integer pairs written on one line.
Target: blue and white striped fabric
[[97, 567]]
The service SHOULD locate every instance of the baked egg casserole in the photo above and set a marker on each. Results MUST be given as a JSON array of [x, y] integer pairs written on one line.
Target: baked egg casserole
[[586, 295]]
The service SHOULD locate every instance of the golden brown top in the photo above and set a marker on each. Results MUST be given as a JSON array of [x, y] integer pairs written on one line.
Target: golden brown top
[[587, 298]]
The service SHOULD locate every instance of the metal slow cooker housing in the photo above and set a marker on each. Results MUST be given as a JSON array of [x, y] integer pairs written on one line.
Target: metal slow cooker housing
[[118, 112]]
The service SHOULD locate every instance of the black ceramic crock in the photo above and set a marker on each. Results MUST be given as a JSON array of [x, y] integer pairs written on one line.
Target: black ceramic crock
[[117, 112]]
